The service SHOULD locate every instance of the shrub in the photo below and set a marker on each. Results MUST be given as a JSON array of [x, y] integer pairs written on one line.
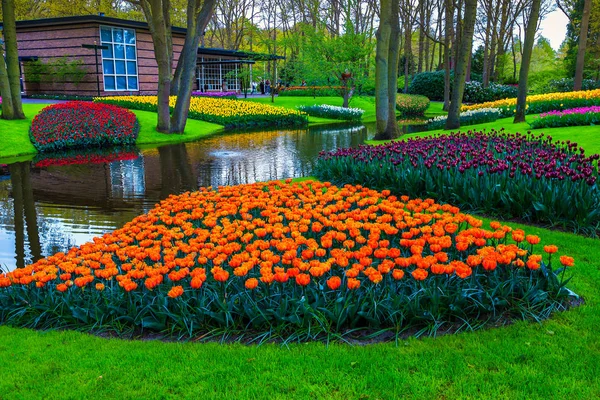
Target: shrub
[[428, 84], [476, 93], [218, 95], [78, 124], [412, 105], [230, 113], [523, 176], [327, 111], [471, 117], [315, 91], [567, 84], [294, 261], [571, 117], [540, 103]]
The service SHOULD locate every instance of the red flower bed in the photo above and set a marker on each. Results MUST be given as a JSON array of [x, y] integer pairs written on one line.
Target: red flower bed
[[78, 124]]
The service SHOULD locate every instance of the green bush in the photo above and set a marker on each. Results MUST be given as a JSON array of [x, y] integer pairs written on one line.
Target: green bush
[[411, 105], [317, 91], [567, 84], [476, 93], [428, 84]]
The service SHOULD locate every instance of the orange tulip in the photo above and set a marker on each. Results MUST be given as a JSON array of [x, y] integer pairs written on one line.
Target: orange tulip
[[334, 282], [175, 291]]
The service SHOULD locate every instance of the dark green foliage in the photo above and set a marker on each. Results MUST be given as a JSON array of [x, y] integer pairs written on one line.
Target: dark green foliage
[[320, 91], [428, 84], [566, 85], [476, 93]]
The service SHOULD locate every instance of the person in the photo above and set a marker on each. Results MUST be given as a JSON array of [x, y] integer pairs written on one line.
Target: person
[[262, 86], [253, 87], [224, 85], [268, 86], [303, 83]]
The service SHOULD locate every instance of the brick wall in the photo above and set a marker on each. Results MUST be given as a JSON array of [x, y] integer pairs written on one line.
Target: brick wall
[[51, 42]]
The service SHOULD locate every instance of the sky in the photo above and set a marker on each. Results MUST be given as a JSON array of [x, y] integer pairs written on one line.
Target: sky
[[554, 28]]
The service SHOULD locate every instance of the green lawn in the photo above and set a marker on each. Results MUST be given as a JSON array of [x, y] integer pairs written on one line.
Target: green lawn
[[557, 359]]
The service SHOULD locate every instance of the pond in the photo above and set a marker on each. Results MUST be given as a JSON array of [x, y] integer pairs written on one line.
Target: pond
[[51, 205]]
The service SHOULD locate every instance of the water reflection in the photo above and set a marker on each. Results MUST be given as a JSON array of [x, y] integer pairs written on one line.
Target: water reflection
[[55, 204], [25, 217]]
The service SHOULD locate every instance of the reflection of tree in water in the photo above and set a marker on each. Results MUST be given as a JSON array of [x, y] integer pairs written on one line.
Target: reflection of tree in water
[[176, 171], [25, 217]]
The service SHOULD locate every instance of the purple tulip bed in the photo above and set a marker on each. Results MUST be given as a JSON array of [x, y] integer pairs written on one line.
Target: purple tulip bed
[[571, 117], [530, 177]]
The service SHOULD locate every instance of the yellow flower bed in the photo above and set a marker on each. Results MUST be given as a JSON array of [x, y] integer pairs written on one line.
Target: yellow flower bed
[[545, 102], [231, 113]]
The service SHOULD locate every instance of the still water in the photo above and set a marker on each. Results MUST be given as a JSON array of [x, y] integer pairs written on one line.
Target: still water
[[52, 204]]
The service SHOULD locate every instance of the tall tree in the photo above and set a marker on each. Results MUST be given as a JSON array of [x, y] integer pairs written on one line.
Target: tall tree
[[10, 77], [158, 16], [530, 32], [386, 70], [382, 54], [583, 35], [462, 60]]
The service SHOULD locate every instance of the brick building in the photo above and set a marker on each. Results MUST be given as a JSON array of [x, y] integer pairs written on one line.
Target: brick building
[[126, 67]]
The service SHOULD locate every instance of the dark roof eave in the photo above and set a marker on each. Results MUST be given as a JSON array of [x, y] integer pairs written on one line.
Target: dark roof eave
[[81, 19], [211, 51]]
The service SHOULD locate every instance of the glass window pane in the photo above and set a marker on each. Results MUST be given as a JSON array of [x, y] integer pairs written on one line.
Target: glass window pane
[[130, 52], [108, 53], [117, 35], [109, 82], [131, 70], [120, 67], [129, 36], [119, 51], [132, 82], [121, 83], [108, 67], [105, 34]]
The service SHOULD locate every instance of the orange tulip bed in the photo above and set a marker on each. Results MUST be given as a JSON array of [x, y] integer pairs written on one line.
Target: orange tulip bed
[[297, 260]]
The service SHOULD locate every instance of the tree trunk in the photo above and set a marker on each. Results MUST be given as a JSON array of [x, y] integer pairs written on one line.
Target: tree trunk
[[460, 71], [382, 54], [157, 15], [526, 61], [8, 111], [12, 63], [583, 35], [407, 47], [186, 65], [447, 52], [391, 131]]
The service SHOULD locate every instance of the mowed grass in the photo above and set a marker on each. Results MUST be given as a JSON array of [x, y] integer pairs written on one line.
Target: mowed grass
[[556, 359]]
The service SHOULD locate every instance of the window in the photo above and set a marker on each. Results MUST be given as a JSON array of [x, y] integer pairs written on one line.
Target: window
[[119, 61]]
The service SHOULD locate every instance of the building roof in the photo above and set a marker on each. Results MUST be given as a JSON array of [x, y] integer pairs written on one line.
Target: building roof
[[79, 19], [211, 51], [101, 19]]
